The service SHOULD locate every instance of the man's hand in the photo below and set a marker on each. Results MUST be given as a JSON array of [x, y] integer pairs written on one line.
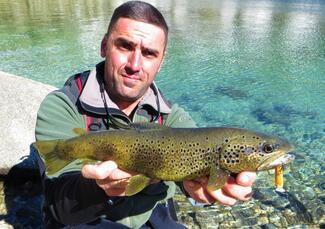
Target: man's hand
[[108, 177], [238, 188]]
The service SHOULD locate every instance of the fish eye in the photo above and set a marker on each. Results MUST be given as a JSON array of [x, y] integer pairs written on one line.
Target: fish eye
[[268, 148]]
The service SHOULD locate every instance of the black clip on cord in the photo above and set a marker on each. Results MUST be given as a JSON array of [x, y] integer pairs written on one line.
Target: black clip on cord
[[109, 116]]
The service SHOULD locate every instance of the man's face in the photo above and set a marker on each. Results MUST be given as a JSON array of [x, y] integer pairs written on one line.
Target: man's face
[[134, 51]]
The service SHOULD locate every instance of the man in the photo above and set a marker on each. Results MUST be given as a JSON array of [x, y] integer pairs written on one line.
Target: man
[[119, 91]]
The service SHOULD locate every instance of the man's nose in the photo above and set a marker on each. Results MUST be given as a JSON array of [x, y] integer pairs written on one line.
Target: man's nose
[[135, 61]]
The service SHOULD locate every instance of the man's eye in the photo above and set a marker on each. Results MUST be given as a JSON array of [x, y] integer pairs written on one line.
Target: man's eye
[[149, 53], [122, 45], [126, 46]]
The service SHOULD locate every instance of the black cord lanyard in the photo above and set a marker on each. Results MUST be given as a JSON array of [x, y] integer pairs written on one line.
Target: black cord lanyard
[[113, 120], [110, 118], [155, 91]]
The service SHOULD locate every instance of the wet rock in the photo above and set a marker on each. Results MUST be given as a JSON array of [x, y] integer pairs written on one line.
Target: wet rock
[[230, 224], [301, 210], [260, 195], [321, 185], [290, 217], [320, 214], [309, 193], [263, 220], [275, 219], [268, 226]]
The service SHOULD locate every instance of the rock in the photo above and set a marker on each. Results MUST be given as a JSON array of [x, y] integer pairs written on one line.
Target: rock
[[275, 219], [20, 100], [269, 226], [309, 193], [3, 209], [4, 225]]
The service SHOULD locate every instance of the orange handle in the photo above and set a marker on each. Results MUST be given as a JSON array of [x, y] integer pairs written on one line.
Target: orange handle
[[278, 177]]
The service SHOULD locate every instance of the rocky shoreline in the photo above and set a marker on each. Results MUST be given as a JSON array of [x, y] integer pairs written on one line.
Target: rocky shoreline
[[21, 198]]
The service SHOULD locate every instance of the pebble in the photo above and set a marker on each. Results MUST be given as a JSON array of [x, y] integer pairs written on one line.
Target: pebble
[[309, 193], [275, 219]]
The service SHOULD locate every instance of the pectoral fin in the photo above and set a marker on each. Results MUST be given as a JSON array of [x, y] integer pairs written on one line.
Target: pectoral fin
[[217, 178], [79, 131], [136, 184]]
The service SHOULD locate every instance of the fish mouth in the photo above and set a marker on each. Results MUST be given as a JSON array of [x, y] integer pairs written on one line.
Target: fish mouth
[[274, 162], [280, 157]]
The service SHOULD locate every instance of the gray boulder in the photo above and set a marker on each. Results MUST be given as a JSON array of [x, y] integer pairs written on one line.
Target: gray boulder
[[19, 103]]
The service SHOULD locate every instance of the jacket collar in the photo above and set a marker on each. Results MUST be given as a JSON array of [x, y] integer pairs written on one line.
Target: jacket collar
[[91, 100]]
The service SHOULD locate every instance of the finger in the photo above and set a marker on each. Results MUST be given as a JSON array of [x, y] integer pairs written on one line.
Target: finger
[[106, 184], [119, 174], [115, 191], [154, 181], [246, 179], [232, 189], [222, 197], [197, 192], [202, 180], [98, 171]]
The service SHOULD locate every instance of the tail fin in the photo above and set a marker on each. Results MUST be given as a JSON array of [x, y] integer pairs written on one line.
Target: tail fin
[[49, 152]]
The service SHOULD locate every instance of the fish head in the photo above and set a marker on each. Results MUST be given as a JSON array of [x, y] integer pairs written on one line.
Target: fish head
[[252, 151]]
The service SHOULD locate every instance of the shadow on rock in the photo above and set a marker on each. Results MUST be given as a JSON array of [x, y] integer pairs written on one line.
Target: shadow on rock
[[23, 194]]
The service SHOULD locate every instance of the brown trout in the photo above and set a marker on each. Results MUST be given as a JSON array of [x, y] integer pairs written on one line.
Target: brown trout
[[171, 154]]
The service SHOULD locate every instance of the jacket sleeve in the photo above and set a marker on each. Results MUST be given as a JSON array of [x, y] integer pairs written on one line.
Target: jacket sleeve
[[70, 198], [73, 199]]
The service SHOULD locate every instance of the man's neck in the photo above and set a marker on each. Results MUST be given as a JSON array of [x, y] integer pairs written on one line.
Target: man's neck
[[128, 107]]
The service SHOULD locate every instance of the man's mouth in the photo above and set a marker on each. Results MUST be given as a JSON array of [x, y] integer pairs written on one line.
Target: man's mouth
[[130, 80], [132, 77]]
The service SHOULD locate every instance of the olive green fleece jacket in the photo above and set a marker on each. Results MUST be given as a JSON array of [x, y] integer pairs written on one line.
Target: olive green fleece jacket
[[56, 119]]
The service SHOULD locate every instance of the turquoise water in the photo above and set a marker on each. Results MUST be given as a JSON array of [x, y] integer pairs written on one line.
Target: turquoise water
[[253, 64]]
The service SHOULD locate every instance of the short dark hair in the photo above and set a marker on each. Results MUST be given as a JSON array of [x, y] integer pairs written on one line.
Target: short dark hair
[[139, 11]]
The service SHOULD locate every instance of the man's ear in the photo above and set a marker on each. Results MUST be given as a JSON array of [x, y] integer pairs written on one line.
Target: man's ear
[[103, 46]]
